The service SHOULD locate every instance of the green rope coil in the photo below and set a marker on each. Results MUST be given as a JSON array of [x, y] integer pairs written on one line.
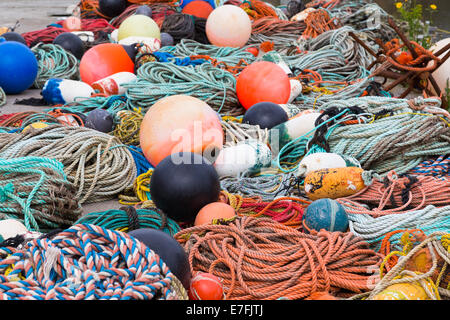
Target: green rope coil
[[37, 192], [96, 163], [54, 62], [120, 220], [159, 80]]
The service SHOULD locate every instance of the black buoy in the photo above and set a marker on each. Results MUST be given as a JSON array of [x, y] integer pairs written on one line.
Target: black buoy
[[166, 39], [100, 120], [112, 8], [70, 42], [182, 184], [265, 114], [144, 10], [293, 7], [14, 36], [168, 249]]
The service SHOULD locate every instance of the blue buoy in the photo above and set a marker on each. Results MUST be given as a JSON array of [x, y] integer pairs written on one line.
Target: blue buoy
[[18, 67], [325, 214]]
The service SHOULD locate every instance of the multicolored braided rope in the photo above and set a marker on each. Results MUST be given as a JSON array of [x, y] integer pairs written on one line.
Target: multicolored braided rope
[[85, 262]]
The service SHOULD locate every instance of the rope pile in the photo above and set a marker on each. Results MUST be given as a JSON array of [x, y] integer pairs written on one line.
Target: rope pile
[[97, 164], [127, 130], [36, 191], [128, 218], [85, 262], [262, 259], [157, 80], [184, 26], [54, 62]]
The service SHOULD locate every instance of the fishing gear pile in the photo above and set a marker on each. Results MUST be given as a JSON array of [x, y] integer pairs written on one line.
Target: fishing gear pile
[[224, 150]]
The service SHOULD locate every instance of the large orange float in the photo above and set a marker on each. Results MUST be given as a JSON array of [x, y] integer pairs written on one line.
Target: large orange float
[[179, 123]]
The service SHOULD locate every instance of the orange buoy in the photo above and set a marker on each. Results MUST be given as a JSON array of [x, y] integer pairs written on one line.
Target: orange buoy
[[212, 211], [206, 286], [198, 8], [228, 26], [262, 81], [104, 60], [180, 123], [72, 24]]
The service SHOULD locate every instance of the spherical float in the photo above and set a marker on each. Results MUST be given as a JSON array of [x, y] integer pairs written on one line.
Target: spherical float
[[103, 60], [253, 50], [212, 211], [265, 114], [100, 120], [228, 26], [325, 214], [70, 42], [180, 123], [182, 184], [112, 8], [262, 81], [168, 249], [138, 25], [144, 10], [166, 39], [14, 36], [319, 160], [206, 286], [184, 3], [72, 23], [198, 8], [18, 67]]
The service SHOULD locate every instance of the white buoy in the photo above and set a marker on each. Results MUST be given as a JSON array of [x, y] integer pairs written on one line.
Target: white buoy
[[112, 85], [300, 125], [10, 228], [301, 16], [61, 91], [249, 155], [319, 160], [441, 74], [153, 44], [115, 35]]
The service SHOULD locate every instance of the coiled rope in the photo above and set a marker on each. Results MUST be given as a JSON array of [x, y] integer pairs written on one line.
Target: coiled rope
[[158, 80], [97, 164], [85, 262], [184, 26], [2, 97], [127, 130], [37, 192], [262, 259], [128, 218], [54, 62]]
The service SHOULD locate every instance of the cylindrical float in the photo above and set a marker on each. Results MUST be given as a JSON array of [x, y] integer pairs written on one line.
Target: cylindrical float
[[334, 183], [247, 156], [62, 91], [300, 125], [112, 85]]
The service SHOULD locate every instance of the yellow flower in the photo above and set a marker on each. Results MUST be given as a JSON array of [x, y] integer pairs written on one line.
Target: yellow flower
[[433, 6], [399, 5]]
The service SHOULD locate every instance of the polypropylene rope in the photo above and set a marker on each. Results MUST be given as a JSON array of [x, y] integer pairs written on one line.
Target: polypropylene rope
[[84, 262], [37, 192], [96, 163]]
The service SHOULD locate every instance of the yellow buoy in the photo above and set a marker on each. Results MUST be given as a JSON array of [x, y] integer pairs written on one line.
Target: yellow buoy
[[406, 291], [138, 25], [334, 183], [35, 125]]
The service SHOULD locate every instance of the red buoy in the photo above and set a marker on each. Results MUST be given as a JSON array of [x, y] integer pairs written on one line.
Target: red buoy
[[262, 81], [104, 60]]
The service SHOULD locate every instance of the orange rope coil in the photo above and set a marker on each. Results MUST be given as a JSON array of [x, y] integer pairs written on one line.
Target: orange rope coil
[[263, 259]]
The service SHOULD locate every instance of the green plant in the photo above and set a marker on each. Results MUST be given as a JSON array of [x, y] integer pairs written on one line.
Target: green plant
[[418, 25]]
